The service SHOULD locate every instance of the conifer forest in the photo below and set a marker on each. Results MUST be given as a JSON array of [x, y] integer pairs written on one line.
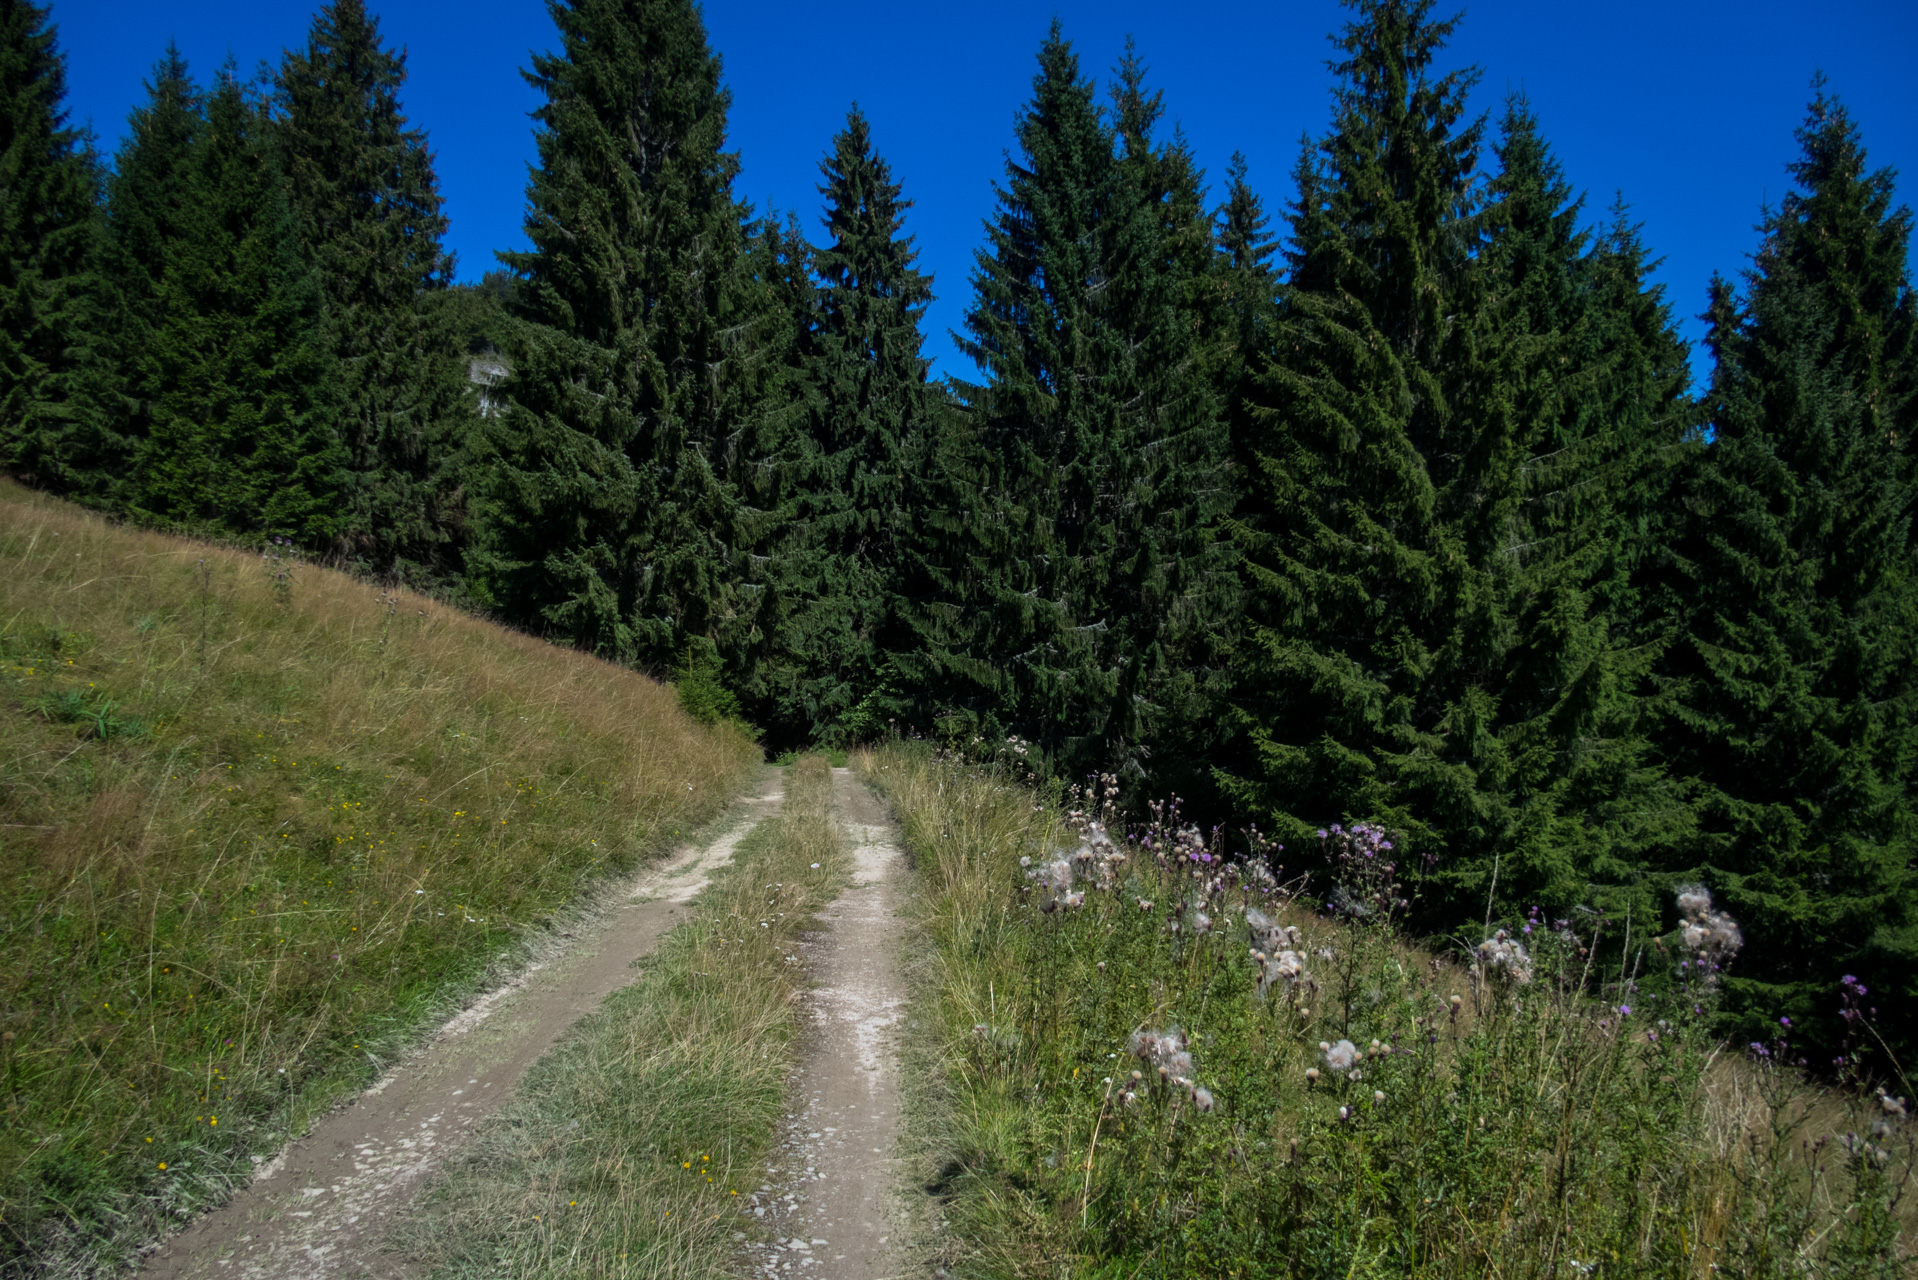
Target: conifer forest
[[1398, 505]]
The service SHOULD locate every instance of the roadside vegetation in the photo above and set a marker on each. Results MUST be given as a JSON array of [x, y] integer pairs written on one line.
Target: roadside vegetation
[[259, 824], [628, 1150], [1139, 1057]]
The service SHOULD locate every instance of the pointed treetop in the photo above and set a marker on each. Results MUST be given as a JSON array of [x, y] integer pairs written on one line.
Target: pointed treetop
[[1838, 230], [864, 219], [1135, 110], [1244, 234]]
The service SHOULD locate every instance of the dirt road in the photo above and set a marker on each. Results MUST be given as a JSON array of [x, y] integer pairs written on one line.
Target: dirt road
[[321, 1209], [828, 1204]]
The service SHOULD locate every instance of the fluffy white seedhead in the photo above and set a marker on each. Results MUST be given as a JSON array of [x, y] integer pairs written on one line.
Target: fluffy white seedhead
[[1258, 874], [1503, 956], [1274, 949], [1341, 1057], [1694, 899], [1055, 877], [1706, 930], [1165, 1053], [1268, 935], [1097, 859], [1287, 967]]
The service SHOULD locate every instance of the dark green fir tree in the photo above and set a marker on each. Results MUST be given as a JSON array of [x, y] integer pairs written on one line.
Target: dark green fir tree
[[610, 512], [1083, 580], [1570, 438], [150, 213], [871, 404], [1792, 705], [1355, 584], [368, 205], [54, 428], [1248, 295], [770, 479], [237, 443]]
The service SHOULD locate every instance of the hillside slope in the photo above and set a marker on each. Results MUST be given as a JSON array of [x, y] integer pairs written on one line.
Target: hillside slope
[[258, 822]]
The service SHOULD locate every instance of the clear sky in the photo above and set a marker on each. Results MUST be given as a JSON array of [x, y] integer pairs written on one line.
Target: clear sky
[[1686, 107]]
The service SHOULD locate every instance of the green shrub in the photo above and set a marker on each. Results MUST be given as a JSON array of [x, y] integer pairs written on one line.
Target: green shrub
[[700, 680]]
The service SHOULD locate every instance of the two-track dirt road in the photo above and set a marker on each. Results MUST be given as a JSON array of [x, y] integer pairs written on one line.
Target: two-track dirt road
[[324, 1207]]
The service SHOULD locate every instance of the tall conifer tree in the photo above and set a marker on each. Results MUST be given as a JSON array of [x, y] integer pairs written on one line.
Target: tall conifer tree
[[872, 402], [768, 569], [1354, 582], [1571, 439], [52, 429], [369, 213], [1248, 295], [611, 513], [1075, 606], [1794, 683], [1456, 450], [151, 210], [237, 443]]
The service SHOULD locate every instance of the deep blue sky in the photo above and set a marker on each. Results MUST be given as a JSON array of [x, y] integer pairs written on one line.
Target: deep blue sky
[[1686, 106]]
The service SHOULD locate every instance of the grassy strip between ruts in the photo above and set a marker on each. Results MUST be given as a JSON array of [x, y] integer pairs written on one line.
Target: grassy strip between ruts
[[626, 1150], [260, 824], [1462, 1124]]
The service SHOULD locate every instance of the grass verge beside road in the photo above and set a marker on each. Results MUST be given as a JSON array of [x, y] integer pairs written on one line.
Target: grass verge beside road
[[259, 824], [625, 1152], [1101, 1086]]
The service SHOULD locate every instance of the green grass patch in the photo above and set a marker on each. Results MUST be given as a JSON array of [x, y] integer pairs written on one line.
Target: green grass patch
[[626, 1150], [1575, 1123], [258, 825]]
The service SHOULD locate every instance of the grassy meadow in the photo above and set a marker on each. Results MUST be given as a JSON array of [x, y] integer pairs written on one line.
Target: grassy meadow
[[1108, 1082], [259, 823], [626, 1150]]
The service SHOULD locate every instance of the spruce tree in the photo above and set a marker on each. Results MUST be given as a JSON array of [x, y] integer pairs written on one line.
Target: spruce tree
[[237, 442], [1078, 599], [151, 210], [1575, 381], [771, 481], [53, 430], [871, 403], [369, 214], [1355, 584], [1792, 706], [610, 513], [1248, 296]]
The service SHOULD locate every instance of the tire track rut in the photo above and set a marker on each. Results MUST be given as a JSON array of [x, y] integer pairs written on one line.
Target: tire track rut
[[829, 1205]]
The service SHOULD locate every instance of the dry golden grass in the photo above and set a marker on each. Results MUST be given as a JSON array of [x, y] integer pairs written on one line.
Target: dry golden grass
[[258, 820]]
